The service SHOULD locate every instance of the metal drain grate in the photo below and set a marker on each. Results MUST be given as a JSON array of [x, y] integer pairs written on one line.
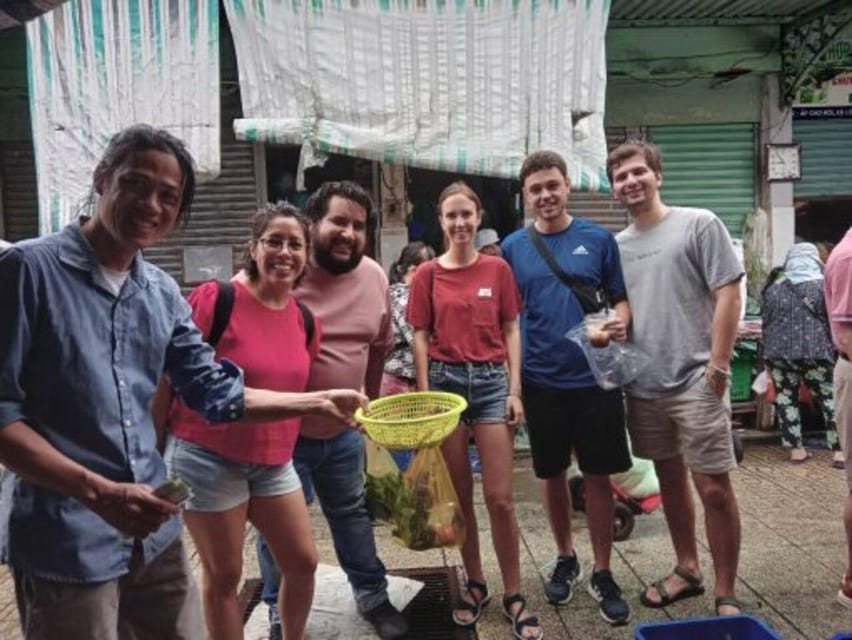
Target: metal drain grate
[[249, 597], [429, 614]]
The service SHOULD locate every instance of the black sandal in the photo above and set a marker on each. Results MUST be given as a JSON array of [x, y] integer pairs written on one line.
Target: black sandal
[[518, 624], [475, 607]]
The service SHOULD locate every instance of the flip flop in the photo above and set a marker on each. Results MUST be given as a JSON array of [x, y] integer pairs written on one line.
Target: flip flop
[[802, 460], [474, 607], [695, 587], [728, 601]]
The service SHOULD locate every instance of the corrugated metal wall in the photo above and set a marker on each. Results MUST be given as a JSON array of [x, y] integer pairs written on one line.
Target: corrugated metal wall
[[710, 166], [223, 209], [18, 190], [826, 157], [601, 207]]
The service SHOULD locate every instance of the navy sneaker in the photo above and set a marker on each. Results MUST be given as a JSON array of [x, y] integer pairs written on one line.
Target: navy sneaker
[[603, 588], [566, 574], [389, 623]]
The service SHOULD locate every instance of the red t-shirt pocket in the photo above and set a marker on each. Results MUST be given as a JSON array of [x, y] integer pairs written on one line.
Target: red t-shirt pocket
[[484, 308]]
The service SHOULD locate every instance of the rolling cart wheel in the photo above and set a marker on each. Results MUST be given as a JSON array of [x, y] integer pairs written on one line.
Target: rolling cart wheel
[[623, 522], [578, 498]]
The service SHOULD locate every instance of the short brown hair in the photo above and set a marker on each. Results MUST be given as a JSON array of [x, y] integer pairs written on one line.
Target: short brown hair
[[459, 188], [541, 160], [622, 152], [317, 205]]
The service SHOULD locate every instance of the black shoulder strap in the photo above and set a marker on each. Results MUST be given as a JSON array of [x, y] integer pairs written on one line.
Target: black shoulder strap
[[307, 320], [591, 298], [809, 305], [539, 245], [222, 310], [225, 305]]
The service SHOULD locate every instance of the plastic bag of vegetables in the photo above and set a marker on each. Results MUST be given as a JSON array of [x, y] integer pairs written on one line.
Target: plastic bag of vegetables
[[421, 504], [383, 482]]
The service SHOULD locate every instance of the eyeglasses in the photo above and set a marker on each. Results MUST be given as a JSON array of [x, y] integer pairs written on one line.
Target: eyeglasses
[[273, 244]]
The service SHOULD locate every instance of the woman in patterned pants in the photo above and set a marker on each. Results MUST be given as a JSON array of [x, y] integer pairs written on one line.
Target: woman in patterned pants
[[797, 346]]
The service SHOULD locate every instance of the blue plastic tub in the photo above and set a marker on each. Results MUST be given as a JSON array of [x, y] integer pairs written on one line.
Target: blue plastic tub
[[721, 628], [841, 636]]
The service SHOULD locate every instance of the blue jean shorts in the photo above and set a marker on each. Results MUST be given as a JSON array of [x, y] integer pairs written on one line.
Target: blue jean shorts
[[219, 484], [485, 386]]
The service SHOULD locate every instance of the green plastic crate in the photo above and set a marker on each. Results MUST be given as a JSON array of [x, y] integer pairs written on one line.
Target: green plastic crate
[[741, 367]]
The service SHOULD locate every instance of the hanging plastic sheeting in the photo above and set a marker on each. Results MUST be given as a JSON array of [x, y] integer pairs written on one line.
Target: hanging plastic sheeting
[[467, 87], [96, 67]]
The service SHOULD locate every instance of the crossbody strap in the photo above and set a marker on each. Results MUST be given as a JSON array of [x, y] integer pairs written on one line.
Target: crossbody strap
[[600, 299], [808, 304], [543, 251]]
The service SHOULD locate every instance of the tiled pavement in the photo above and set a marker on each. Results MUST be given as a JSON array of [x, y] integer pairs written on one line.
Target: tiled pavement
[[793, 554]]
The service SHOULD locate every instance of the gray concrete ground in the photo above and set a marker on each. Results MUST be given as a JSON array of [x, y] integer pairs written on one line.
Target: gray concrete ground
[[793, 555]]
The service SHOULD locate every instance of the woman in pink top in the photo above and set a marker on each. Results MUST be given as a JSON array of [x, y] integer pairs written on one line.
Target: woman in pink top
[[240, 472], [464, 308]]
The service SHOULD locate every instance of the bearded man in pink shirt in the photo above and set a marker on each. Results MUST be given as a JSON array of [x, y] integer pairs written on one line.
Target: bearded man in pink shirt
[[348, 293]]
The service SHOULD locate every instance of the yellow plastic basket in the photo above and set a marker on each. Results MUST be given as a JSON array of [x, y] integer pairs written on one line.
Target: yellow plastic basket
[[412, 420]]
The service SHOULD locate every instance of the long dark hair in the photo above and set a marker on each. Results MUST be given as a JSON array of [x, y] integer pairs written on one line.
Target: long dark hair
[[412, 254]]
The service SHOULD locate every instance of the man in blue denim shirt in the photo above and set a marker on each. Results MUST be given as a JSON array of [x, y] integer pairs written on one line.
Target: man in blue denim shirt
[[87, 328]]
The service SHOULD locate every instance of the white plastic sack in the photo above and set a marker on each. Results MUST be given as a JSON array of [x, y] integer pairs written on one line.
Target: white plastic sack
[[639, 481], [761, 383], [334, 614]]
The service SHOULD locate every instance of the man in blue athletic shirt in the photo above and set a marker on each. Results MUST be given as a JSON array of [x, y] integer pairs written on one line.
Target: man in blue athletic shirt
[[565, 407]]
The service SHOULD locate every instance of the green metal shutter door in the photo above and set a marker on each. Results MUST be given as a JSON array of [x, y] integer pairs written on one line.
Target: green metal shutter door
[[709, 166], [18, 190], [826, 157]]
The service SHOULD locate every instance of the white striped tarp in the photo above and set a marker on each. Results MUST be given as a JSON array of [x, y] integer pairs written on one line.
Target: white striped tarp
[[463, 86], [98, 66]]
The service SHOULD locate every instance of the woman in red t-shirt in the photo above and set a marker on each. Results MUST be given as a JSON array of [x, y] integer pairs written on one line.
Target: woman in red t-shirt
[[244, 472], [464, 308]]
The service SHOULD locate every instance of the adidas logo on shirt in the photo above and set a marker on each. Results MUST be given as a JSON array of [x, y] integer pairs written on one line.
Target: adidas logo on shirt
[[580, 251]]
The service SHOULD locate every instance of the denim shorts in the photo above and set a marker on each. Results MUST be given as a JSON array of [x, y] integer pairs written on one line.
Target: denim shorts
[[219, 484], [485, 386]]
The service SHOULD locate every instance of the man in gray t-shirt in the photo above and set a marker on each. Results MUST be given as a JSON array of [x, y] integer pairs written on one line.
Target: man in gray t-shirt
[[682, 278]]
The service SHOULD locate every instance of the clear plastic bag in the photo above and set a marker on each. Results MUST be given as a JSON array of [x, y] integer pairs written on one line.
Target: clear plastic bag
[[613, 363], [383, 481], [421, 504]]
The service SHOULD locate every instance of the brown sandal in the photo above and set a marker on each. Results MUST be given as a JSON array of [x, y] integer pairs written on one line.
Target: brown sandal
[[695, 587]]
